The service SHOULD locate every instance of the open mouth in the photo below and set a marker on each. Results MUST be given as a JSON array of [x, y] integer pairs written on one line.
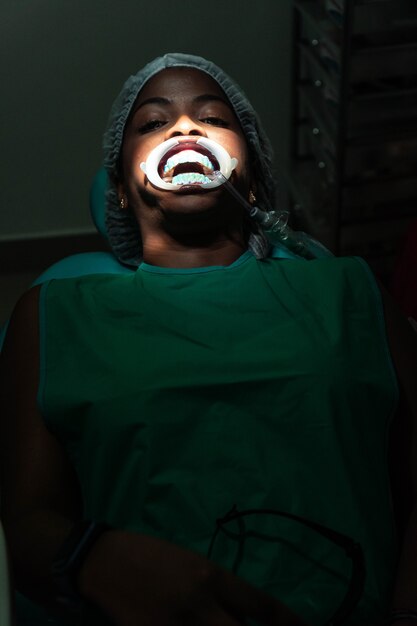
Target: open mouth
[[188, 164], [178, 164]]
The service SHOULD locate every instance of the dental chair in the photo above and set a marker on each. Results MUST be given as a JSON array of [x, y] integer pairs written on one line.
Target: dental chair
[[89, 262]]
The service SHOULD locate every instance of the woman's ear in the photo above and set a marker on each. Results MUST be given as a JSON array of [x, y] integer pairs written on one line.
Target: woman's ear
[[123, 204], [252, 192]]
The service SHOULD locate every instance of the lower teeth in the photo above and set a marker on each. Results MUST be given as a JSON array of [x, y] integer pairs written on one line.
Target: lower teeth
[[190, 178]]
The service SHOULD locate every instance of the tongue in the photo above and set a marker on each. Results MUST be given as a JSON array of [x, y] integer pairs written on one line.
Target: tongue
[[183, 168]]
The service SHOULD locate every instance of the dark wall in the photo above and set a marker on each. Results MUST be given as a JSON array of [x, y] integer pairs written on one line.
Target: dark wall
[[63, 62]]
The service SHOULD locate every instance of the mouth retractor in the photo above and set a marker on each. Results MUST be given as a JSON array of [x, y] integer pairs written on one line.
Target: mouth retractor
[[220, 161]]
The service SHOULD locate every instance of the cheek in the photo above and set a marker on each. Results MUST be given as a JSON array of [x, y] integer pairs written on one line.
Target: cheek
[[243, 166], [134, 152], [131, 166], [237, 149]]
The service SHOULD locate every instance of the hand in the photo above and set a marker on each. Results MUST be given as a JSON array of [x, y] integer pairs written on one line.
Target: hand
[[136, 579]]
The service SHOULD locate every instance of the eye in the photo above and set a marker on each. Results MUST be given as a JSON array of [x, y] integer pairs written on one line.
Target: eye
[[150, 126], [215, 121]]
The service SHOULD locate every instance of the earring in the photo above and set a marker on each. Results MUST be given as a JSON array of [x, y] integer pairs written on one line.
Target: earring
[[122, 203], [252, 197]]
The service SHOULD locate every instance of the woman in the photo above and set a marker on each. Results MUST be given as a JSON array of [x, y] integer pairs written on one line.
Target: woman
[[219, 377]]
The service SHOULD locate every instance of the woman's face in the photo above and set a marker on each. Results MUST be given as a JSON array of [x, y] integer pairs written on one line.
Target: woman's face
[[183, 103]]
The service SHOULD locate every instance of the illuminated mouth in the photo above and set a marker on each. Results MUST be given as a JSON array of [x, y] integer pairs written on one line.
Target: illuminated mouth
[[175, 164], [184, 164]]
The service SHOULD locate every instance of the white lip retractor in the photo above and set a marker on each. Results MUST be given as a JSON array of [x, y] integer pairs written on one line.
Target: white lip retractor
[[225, 164]]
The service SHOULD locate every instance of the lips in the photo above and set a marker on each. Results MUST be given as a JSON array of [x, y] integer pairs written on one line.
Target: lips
[[176, 164], [187, 157]]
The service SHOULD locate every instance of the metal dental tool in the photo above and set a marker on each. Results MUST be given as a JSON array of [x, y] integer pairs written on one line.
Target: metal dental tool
[[275, 224], [273, 221]]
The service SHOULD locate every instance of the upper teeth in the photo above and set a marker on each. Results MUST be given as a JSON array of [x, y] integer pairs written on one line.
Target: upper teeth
[[188, 156]]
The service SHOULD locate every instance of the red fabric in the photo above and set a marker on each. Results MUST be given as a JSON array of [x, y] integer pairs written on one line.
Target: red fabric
[[404, 280]]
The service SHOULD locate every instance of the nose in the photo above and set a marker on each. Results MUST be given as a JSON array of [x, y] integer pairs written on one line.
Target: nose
[[186, 126]]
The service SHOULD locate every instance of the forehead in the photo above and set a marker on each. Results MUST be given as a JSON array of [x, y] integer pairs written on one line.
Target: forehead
[[180, 83]]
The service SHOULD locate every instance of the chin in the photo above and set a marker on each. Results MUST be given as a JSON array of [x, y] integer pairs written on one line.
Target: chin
[[189, 198], [193, 209]]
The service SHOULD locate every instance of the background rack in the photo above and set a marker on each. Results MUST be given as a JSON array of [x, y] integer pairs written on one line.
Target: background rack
[[352, 171]]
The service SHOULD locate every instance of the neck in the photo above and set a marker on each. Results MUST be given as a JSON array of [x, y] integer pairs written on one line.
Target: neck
[[200, 253], [195, 234]]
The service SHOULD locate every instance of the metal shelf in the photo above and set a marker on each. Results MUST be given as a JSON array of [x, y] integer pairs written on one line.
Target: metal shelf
[[355, 115]]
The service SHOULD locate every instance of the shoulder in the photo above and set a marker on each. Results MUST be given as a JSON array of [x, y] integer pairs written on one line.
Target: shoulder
[[333, 273], [23, 325], [19, 356], [329, 263], [75, 290]]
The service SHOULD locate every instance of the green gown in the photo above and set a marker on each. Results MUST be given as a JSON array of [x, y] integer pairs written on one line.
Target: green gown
[[264, 385]]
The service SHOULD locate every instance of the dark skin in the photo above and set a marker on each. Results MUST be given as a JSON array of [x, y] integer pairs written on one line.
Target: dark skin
[[132, 578], [190, 228]]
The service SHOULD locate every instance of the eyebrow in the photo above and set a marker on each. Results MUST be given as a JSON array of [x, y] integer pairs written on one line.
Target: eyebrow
[[154, 100], [208, 97], [205, 97]]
